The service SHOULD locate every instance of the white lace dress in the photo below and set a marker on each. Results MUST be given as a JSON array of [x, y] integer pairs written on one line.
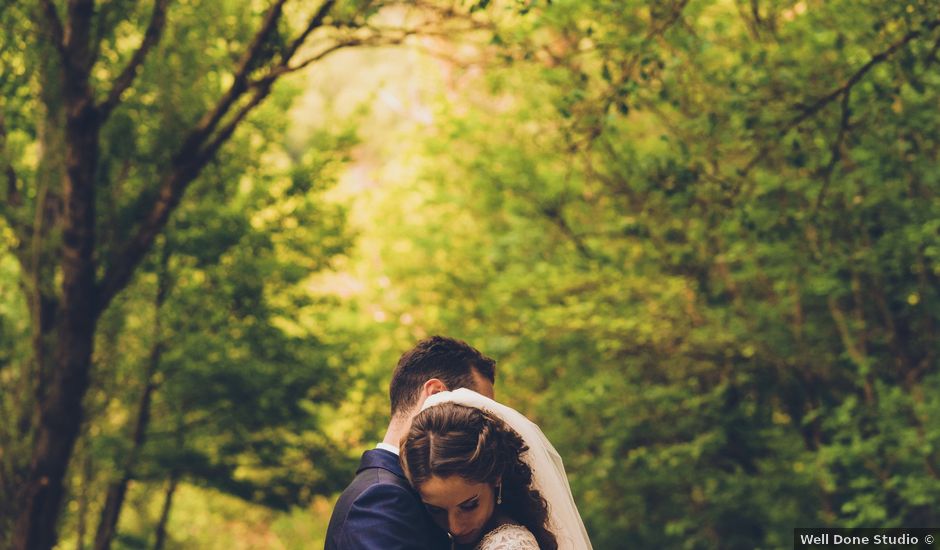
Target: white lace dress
[[509, 536]]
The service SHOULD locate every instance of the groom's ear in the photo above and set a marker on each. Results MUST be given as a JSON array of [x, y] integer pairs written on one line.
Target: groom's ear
[[431, 387]]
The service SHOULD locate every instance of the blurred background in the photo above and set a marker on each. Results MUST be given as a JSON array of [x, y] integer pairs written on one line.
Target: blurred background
[[701, 238]]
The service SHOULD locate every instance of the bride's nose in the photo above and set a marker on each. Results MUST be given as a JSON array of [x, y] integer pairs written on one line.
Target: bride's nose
[[455, 526]]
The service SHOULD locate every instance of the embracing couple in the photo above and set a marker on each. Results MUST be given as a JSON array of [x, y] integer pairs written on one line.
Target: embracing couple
[[456, 470]]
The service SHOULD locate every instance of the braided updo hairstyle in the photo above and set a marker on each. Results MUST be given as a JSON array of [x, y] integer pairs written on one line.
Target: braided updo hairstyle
[[450, 439]]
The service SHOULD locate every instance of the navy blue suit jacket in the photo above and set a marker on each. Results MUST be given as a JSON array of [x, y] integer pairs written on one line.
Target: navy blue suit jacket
[[380, 511]]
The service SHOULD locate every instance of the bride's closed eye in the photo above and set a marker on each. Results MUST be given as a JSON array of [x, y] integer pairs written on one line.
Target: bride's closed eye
[[468, 506]]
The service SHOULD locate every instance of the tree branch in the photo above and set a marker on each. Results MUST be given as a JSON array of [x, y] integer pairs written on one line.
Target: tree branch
[[117, 491], [239, 86], [77, 36], [932, 56], [845, 334], [54, 27], [102, 26], [264, 85], [628, 67], [374, 41], [13, 193], [751, 20], [812, 109], [10, 210], [836, 151], [197, 149], [315, 22], [151, 37], [855, 78], [554, 215], [223, 135]]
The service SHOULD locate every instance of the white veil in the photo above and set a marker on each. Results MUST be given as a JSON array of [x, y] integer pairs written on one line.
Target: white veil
[[548, 472]]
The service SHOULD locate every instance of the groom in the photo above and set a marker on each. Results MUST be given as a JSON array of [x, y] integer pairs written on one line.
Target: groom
[[379, 510]]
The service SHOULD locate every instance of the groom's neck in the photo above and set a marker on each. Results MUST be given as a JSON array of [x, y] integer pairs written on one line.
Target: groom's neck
[[397, 429]]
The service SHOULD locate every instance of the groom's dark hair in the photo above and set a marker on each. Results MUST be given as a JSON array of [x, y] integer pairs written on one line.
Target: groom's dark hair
[[449, 360]]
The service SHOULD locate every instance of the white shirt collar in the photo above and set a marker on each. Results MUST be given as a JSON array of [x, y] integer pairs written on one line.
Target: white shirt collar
[[390, 448]]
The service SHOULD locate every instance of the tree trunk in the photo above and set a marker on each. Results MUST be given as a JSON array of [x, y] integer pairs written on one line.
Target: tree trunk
[[83, 500], [36, 255], [60, 411], [64, 351], [110, 514], [165, 513]]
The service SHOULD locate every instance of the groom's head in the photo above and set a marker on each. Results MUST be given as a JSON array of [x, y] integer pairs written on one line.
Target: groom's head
[[438, 364]]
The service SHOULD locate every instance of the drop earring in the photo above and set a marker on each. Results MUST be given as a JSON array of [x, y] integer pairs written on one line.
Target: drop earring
[[499, 495]]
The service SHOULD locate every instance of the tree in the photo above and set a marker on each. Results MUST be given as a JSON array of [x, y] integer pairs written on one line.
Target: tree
[[106, 174], [700, 239], [224, 395]]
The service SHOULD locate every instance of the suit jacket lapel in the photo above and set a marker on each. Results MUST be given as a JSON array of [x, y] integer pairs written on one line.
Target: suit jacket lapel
[[380, 458]]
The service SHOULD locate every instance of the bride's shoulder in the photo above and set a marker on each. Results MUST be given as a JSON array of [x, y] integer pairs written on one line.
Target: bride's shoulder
[[508, 536]]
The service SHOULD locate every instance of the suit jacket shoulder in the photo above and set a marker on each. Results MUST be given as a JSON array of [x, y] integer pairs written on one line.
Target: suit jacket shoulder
[[380, 511]]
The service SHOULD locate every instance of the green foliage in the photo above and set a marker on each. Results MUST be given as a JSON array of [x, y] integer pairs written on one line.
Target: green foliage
[[700, 237], [701, 241], [216, 327], [241, 378]]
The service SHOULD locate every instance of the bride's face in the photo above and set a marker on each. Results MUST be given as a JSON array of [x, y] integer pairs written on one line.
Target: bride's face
[[461, 507]]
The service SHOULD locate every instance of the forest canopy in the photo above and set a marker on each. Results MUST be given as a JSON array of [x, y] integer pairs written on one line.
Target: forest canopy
[[700, 237]]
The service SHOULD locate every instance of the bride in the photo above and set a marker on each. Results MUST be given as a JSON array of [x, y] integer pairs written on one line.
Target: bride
[[489, 476]]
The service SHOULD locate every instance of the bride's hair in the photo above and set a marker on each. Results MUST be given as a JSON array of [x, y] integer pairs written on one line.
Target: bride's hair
[[450, 439]]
